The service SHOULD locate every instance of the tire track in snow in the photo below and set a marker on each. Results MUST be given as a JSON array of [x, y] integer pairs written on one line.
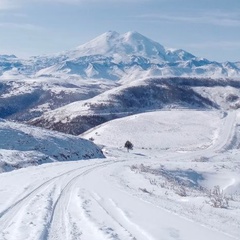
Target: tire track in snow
[[227, 133], [7, 216], [221, 144], [56, 224], [118, 216]]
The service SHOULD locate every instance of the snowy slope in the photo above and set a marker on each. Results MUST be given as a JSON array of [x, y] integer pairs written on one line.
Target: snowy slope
[[141, 96], [22, 146], [25, 98], [162, 189], [175, 130]]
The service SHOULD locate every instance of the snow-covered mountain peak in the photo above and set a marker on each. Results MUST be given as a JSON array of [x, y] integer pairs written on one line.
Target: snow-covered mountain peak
[[101, 40], [136, 37], [137, 44], [180, 54], [115, 56], [99, 45], [121, 47], [109, 35]]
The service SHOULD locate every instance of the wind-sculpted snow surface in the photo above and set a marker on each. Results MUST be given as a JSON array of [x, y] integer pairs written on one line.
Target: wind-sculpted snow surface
[[22, 146]]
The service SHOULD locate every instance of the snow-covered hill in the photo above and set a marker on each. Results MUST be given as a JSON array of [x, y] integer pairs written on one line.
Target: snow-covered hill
[[169, 130], [22, 146], [25, 98], [141, 96]]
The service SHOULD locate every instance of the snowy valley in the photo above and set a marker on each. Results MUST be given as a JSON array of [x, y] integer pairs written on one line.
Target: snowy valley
[[64, 120]]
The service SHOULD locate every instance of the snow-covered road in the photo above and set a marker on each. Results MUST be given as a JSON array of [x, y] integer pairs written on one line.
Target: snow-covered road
[[83, 203], [39, 210], [96, 199]]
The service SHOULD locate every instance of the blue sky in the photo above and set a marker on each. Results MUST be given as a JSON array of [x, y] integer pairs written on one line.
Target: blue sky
[[206, 28]]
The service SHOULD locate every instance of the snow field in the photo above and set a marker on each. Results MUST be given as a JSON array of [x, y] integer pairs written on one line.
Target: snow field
[[184, 130], [159, 190]]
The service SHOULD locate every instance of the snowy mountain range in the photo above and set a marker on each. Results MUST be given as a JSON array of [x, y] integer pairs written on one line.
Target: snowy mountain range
[[117, 56], [112, 75]]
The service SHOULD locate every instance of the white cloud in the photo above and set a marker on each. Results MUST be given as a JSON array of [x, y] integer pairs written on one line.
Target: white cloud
[[23, 26], [217, 18], [8, 4], [215, 44]]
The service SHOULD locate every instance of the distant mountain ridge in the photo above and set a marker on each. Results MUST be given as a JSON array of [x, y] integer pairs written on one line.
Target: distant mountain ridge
[[111, 76], [115, 56]]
